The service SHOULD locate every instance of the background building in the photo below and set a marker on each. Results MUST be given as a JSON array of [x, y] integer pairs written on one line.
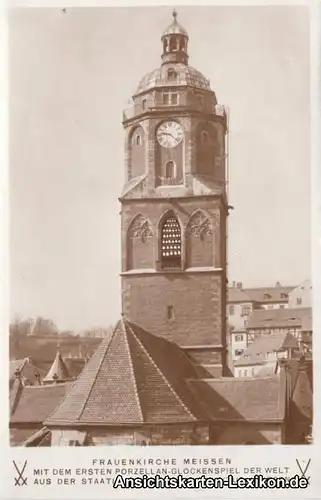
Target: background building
[[301, 296]]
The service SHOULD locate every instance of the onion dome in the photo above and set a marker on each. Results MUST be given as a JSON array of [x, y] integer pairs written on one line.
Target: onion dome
[[175, 28]]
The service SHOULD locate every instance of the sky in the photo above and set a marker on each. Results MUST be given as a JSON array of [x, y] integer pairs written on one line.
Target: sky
[[71, 75]]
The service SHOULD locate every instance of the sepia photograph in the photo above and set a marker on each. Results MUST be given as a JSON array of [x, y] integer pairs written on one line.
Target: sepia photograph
[[159, 226]]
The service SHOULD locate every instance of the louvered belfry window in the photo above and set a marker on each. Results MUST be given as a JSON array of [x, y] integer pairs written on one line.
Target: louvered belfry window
[[171, 242]]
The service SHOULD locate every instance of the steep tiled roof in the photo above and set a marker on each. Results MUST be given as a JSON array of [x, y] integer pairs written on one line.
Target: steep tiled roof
[[37, 402], [58, 371], [251, 399], [269, 295], [278, 318], [237, 295], [133, 377], [256, 352]]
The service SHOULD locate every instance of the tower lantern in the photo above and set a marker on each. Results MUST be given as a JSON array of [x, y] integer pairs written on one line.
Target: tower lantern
[[175, 40]]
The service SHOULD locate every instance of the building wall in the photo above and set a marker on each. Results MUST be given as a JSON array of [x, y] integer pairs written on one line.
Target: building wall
[[250, 370], [238, 344], [238, 314], [194, 298], [255, 333], [248, 433], [157, 435], [301, 296]]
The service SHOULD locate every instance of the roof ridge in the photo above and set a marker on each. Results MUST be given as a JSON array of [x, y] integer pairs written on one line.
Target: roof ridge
[[97, 372], [132, 368], [160, 372]]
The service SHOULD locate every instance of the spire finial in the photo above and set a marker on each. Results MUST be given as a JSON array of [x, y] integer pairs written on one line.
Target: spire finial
[[174, 15]]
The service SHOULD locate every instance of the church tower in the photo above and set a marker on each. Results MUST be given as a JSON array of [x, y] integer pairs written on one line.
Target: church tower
[[174, 208]]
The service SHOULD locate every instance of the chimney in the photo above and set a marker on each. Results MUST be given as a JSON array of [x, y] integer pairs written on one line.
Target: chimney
[[285, 380], [239, 285]]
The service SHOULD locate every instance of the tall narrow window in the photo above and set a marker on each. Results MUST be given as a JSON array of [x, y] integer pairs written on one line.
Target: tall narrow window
[[170, 170], [138, 140], [200, 100], [144, 103], [170, 313], [166, 98], [204, 136], [171, 243], [174, 99]]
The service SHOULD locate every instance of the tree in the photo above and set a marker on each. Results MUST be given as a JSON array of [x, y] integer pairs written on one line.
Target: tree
[[44, 327], [20, 327]]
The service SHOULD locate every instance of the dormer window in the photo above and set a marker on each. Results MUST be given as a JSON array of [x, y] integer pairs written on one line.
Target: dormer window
[[172, 75]]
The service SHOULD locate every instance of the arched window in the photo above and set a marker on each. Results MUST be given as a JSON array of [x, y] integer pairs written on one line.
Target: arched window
[[138, 140], [171, 243], [170, 170], [172, 75]]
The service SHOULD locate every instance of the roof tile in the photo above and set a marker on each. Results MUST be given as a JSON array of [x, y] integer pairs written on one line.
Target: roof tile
[[250, 399], [133, 377], [37, 402]]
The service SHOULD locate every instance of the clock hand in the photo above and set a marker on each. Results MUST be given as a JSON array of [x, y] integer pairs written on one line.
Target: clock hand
[[171, 135]]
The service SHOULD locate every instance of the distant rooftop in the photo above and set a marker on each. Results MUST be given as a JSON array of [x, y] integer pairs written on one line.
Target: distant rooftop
[[256, 353], [279, 318], [242, 399]]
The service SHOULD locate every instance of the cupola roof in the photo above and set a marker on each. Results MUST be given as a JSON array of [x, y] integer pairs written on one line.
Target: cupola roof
[[175, 28]]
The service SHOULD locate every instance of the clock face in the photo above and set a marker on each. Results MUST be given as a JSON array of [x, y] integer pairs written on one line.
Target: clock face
[[170, 134]]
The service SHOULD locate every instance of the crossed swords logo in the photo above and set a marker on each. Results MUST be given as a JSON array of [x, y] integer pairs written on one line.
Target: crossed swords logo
[[304, 470], [20, 480]]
